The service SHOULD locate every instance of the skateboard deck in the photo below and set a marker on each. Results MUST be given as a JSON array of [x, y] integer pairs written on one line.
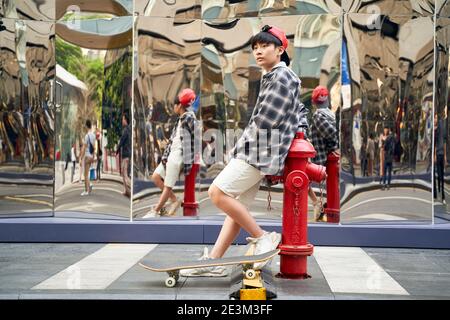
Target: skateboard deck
[[172, 269]]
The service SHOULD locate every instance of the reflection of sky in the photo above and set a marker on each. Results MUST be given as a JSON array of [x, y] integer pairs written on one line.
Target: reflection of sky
[[104, 27]]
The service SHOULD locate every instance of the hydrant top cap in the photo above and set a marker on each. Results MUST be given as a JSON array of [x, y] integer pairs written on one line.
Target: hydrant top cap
[[302, 148]]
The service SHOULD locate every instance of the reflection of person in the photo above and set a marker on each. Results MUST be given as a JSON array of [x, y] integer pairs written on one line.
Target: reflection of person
[[166, 174], [73, 158], [278, 110], [370, 154], [381, 141], [363, 159], [440, 156], [99, 154], [389, 149], [356, 132], [1, 150], [80, 160], [324, 137], [124, 147], [87, 153]]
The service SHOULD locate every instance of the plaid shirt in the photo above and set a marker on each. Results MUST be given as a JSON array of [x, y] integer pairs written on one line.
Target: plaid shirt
[[323, 134], [278, 114], [189, 126]]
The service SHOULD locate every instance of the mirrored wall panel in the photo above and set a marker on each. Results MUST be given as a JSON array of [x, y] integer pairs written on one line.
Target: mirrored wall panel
[[441, 128], [221, 9], [27, 117], [178, 9], [93, 112], [43, 10], [231, 83], [167, 61], [92, 9], [390, 7], [443, 9], [387, 119]]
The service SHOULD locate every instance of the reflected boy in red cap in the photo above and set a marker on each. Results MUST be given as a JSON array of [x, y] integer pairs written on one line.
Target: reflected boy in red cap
[[279, 113], [324, 136], [168, 171]]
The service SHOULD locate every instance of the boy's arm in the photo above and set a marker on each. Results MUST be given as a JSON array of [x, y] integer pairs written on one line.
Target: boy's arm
[[274, 106], [303, 123], [327, 130], [166, 152]]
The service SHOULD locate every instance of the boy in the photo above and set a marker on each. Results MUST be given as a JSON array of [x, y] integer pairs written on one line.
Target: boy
[[324, 136], [166, 174], [278, 112]]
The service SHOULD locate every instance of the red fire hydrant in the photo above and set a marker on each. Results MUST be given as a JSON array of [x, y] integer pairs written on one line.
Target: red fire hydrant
[[298, 173], [332, 211], [190, 206]]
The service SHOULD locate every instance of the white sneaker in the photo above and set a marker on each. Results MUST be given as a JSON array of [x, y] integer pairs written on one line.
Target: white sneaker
[[217, 271], [267, 242], [173, 207], [84, 193], [151, 214]]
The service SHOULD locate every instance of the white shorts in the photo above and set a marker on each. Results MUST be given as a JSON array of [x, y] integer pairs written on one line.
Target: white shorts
[[171, 173], [240, 181]]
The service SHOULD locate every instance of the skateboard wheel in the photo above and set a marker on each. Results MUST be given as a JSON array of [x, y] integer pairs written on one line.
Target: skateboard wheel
[[250, 274], [171, 282]]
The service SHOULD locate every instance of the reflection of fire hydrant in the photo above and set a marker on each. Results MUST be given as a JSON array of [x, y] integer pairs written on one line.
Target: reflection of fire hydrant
[[298, 173], [333, 200], [190, 206]]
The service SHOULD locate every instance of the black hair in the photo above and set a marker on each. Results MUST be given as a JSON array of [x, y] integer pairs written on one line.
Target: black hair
[[88, 124], [265, 37], [127, 117], [371, 135], [176, 101]]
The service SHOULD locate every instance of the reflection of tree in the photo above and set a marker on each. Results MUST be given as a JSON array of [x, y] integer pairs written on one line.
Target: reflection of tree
[[114, 97], [89, 71]]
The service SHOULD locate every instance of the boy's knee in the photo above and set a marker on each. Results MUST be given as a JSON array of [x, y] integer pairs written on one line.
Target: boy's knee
[[155, 177], [214, 193]]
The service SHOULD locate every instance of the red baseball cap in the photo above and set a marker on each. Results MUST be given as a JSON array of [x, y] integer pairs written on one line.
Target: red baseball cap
[[186, 96], [320, 95], [280, 35]]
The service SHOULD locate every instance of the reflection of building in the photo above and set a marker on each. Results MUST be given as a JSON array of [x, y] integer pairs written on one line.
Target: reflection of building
[[391, 73], [388, 47], [71, 94], [27, 68], [168, 60]]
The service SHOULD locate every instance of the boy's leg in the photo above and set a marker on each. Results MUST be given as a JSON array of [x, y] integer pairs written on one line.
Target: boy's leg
[[228, 233], [312, 195], [165, 195], [236, 211], [157, 179], [172, 173], [87, 166]]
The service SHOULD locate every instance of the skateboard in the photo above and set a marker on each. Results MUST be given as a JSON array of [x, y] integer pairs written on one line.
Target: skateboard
[[173, 270]]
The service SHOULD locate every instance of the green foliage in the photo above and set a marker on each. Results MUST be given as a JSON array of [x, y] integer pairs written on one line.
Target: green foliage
[[67, 54], [90, 72], [115, 98], [89, 16]]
